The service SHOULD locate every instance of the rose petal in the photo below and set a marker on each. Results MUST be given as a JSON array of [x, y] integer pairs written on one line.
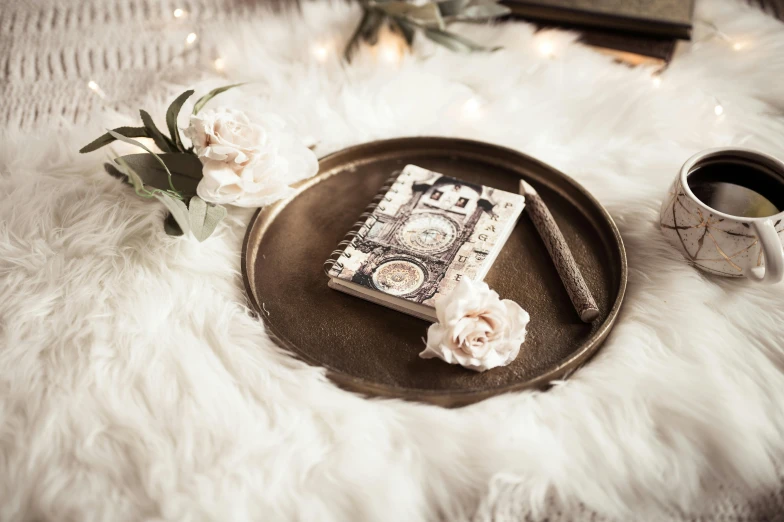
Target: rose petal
[[518, 319], [220, 183], [260, 158], [475, 328]]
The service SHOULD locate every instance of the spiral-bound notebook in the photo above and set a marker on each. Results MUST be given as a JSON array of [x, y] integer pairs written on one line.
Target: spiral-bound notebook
[[421, 235]]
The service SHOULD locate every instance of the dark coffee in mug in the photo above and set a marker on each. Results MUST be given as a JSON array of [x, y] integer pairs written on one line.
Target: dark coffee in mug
[[725, 213], [738, 188]]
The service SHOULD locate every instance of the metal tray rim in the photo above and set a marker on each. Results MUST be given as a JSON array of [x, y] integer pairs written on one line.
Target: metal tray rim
[[452, 397]]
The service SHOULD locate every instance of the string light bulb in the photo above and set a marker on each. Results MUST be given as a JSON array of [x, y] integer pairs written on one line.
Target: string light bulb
[[178, 13], [147, 142], [546, 48], [718, 109], [472, 108], [320, 52], [190, 38], [738, 45], [657, 82], [93, 86], [390, 53], [219, 64], [390, 46]]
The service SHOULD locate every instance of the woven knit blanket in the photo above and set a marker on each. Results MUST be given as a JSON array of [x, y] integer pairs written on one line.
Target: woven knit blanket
[[135, 385]]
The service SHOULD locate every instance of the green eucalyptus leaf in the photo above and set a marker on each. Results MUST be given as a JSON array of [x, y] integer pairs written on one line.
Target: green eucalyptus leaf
[[395, 7], [113, 171], [185, 169], [132, 177], [204, 217], [484, 11], [210, 95], [171, 227], [407, 30], [354, 40], [455, 42], [428, 15], [425, 15], [177, 209], [452, 7], [140, 144], [157, 136], [366, 31], [171, 118], [130, 132]]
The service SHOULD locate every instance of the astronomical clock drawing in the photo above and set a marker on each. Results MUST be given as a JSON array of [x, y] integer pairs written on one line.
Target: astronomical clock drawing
[[423, 236]]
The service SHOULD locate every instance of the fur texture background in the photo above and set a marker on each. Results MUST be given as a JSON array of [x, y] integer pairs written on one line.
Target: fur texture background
[[134, 384]]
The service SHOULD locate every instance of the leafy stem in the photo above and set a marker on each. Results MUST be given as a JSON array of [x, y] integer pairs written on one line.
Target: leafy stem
[[430, 18], [138, 185], [130, 141]]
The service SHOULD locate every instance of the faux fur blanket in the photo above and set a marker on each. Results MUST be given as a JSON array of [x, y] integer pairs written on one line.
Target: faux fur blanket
[[135, 385]]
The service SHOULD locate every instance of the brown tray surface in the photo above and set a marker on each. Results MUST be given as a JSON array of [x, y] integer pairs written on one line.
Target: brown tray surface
[[374, 350]]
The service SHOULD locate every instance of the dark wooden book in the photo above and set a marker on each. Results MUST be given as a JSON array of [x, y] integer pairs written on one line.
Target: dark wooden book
[[652, 18], [631, 49]]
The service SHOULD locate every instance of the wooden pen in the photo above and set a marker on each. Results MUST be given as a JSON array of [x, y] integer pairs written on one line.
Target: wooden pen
[[562, 257]]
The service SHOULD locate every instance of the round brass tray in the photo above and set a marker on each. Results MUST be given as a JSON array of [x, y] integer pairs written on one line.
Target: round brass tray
[[374, 350]]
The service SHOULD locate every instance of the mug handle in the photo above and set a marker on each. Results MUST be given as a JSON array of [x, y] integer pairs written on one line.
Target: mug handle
[[773, 252]]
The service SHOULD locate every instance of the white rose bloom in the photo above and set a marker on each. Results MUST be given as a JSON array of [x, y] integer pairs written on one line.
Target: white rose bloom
[[475, 328], [247, 163]]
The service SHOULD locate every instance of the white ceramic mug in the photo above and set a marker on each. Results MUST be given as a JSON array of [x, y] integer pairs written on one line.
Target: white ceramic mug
[[720, 243]]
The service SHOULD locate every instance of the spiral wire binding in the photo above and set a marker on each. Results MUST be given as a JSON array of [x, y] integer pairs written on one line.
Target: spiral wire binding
[[356, 228]]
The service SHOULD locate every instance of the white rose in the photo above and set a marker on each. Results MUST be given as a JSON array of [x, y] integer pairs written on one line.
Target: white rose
[[475, 328], [247, 163]]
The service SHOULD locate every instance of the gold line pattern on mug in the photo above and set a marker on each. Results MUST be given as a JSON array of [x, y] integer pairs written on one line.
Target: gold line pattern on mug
[[709, 224]]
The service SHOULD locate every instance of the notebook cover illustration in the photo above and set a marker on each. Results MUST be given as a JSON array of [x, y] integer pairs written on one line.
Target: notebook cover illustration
[[428, 232]]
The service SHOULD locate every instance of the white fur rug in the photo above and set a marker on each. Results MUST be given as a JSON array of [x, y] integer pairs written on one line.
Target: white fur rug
[[135, 385]]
